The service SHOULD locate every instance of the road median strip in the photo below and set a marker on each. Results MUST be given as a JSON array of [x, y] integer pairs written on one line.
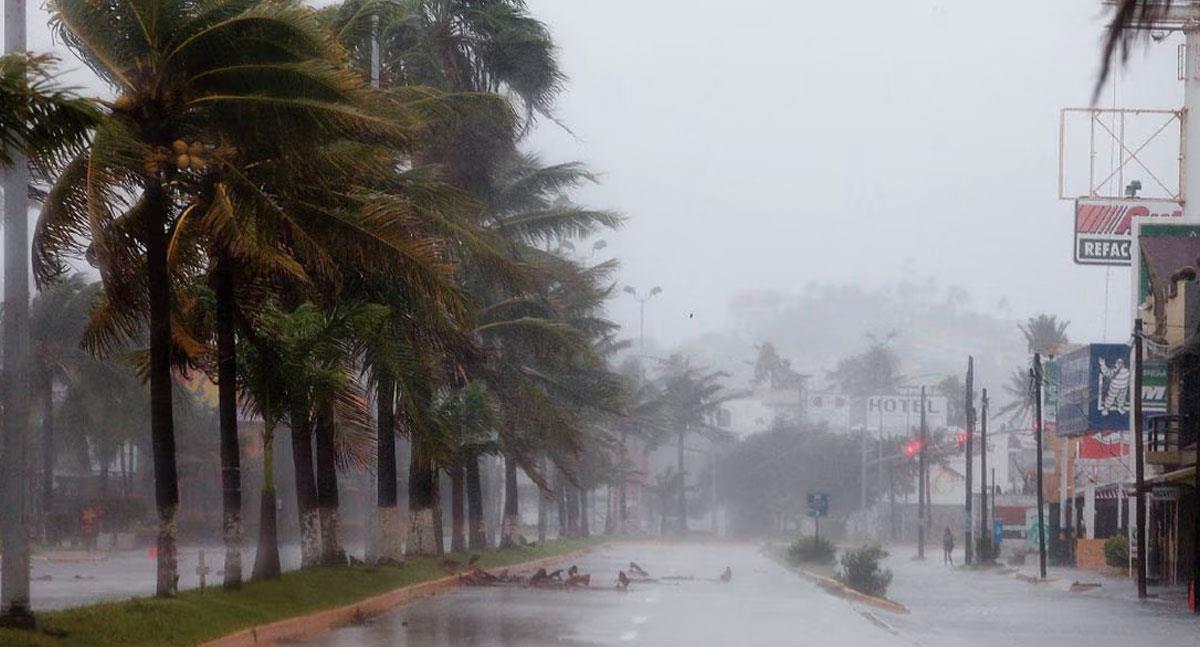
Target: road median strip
[[297, 605]]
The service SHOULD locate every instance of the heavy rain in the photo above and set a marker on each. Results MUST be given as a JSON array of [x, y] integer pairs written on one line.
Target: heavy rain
[[564, 322]]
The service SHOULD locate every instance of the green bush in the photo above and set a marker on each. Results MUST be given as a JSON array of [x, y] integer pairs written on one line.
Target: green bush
[[811, 550], [861, 572], [1116, 551]]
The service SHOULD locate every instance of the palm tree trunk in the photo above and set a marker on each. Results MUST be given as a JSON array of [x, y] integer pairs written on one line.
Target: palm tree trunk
[[476, 536], [609, 525], [231, 470], [266, 558], [510, 526], [327, 488], [422, 484], [458, 535], [683, 527], [439, 530], [584, 526], [306, 484], [622, 506], [542, 505], [48, 457], [572, 497], [560, 500], [386, 495], [162, 423]]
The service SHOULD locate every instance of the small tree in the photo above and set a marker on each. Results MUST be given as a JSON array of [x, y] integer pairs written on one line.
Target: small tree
[[861, 571], [1116, 551]]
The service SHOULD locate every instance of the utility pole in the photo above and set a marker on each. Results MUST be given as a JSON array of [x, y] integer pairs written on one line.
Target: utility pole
[[921, 484], [985, 535], [1139, 467], [968, 519], [1036, 375], [15, 609]]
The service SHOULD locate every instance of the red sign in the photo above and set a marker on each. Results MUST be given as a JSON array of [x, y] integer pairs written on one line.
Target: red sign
[[1100, 445]]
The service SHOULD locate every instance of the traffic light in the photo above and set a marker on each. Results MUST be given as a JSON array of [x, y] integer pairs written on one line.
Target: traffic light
[[911, 448], [961, 438]]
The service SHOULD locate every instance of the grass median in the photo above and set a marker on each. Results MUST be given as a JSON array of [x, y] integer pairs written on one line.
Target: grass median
[[194, 617]]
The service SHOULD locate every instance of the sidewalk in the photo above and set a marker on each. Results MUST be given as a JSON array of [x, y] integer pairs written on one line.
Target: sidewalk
[[957, 606]]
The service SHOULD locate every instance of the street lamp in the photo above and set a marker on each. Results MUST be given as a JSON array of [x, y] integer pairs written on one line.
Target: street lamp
[[630, 290]]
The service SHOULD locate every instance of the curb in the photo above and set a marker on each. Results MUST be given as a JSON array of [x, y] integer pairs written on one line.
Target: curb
[[841, 590], [319, 622]]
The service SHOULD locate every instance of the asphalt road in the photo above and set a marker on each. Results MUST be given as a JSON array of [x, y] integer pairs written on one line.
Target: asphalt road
[[762, 605]]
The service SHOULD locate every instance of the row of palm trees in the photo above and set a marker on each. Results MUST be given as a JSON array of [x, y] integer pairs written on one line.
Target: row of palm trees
[[347, 255]]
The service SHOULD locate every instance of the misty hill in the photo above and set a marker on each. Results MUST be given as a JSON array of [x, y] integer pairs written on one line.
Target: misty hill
[[930, 327]]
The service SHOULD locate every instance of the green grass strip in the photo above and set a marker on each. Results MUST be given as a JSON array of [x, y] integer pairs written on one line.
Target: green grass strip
[[194, 617]]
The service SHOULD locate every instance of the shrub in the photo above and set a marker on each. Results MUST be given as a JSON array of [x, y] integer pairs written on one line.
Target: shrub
[[861, 572], [1116, 551], [811, 550]]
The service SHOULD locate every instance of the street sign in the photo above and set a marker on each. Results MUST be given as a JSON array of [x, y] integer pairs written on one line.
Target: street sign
[[997, 533], [818, 504], [1103, 227]]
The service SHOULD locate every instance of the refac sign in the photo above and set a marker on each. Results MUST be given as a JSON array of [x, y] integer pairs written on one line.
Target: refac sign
[[1103, 228]]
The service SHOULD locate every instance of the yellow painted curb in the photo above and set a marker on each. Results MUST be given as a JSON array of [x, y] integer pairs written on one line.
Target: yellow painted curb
[[319, 622], [837, 588]]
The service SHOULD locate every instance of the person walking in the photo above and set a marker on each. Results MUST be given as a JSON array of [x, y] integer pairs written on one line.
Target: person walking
[[948, 547]]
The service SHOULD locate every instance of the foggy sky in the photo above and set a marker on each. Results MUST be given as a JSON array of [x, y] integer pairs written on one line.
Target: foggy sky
[[766, 144]]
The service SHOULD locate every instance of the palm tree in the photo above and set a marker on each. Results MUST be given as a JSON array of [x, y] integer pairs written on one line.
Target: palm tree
[[196, 85], [1021, 393], [1045, 334], [39, 119], [58, 317], [693, 397]]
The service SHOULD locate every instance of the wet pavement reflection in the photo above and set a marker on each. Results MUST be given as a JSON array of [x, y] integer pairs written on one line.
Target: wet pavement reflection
[[763, 605]]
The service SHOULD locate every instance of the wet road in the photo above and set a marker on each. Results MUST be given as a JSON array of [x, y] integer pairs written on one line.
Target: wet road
[[763, 605]]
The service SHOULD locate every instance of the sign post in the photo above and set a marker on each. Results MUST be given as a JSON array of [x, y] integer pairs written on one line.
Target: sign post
[[818, 506]]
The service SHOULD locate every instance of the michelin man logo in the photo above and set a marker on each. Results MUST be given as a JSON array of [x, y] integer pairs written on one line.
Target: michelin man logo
[[1113, 392]]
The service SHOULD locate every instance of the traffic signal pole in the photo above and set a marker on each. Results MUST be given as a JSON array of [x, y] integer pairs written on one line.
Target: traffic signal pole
[[921, 503]]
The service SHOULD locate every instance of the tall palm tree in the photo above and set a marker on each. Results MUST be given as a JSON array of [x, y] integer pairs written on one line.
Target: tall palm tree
[[1045, 334], [196, 81], [693, 397]]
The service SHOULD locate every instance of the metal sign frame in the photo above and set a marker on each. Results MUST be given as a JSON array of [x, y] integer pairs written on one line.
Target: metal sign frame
[[1127, 151]]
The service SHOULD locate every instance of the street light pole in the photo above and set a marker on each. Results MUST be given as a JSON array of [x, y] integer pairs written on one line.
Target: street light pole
[[632, 291]]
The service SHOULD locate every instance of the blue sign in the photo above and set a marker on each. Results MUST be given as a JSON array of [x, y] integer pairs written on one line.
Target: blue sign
[[1094, 386], [1111, 381], [997, 533], [818, 504]]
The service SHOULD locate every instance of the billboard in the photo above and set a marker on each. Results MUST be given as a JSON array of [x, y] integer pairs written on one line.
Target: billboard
[[1094, 382], [900, 414], [1103, 227]]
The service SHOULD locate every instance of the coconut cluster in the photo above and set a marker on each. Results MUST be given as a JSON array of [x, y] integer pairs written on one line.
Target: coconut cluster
[[182, 155]]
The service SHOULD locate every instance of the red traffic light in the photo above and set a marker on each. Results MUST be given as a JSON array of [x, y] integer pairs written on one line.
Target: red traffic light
[[912, 447], [961, 437]]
